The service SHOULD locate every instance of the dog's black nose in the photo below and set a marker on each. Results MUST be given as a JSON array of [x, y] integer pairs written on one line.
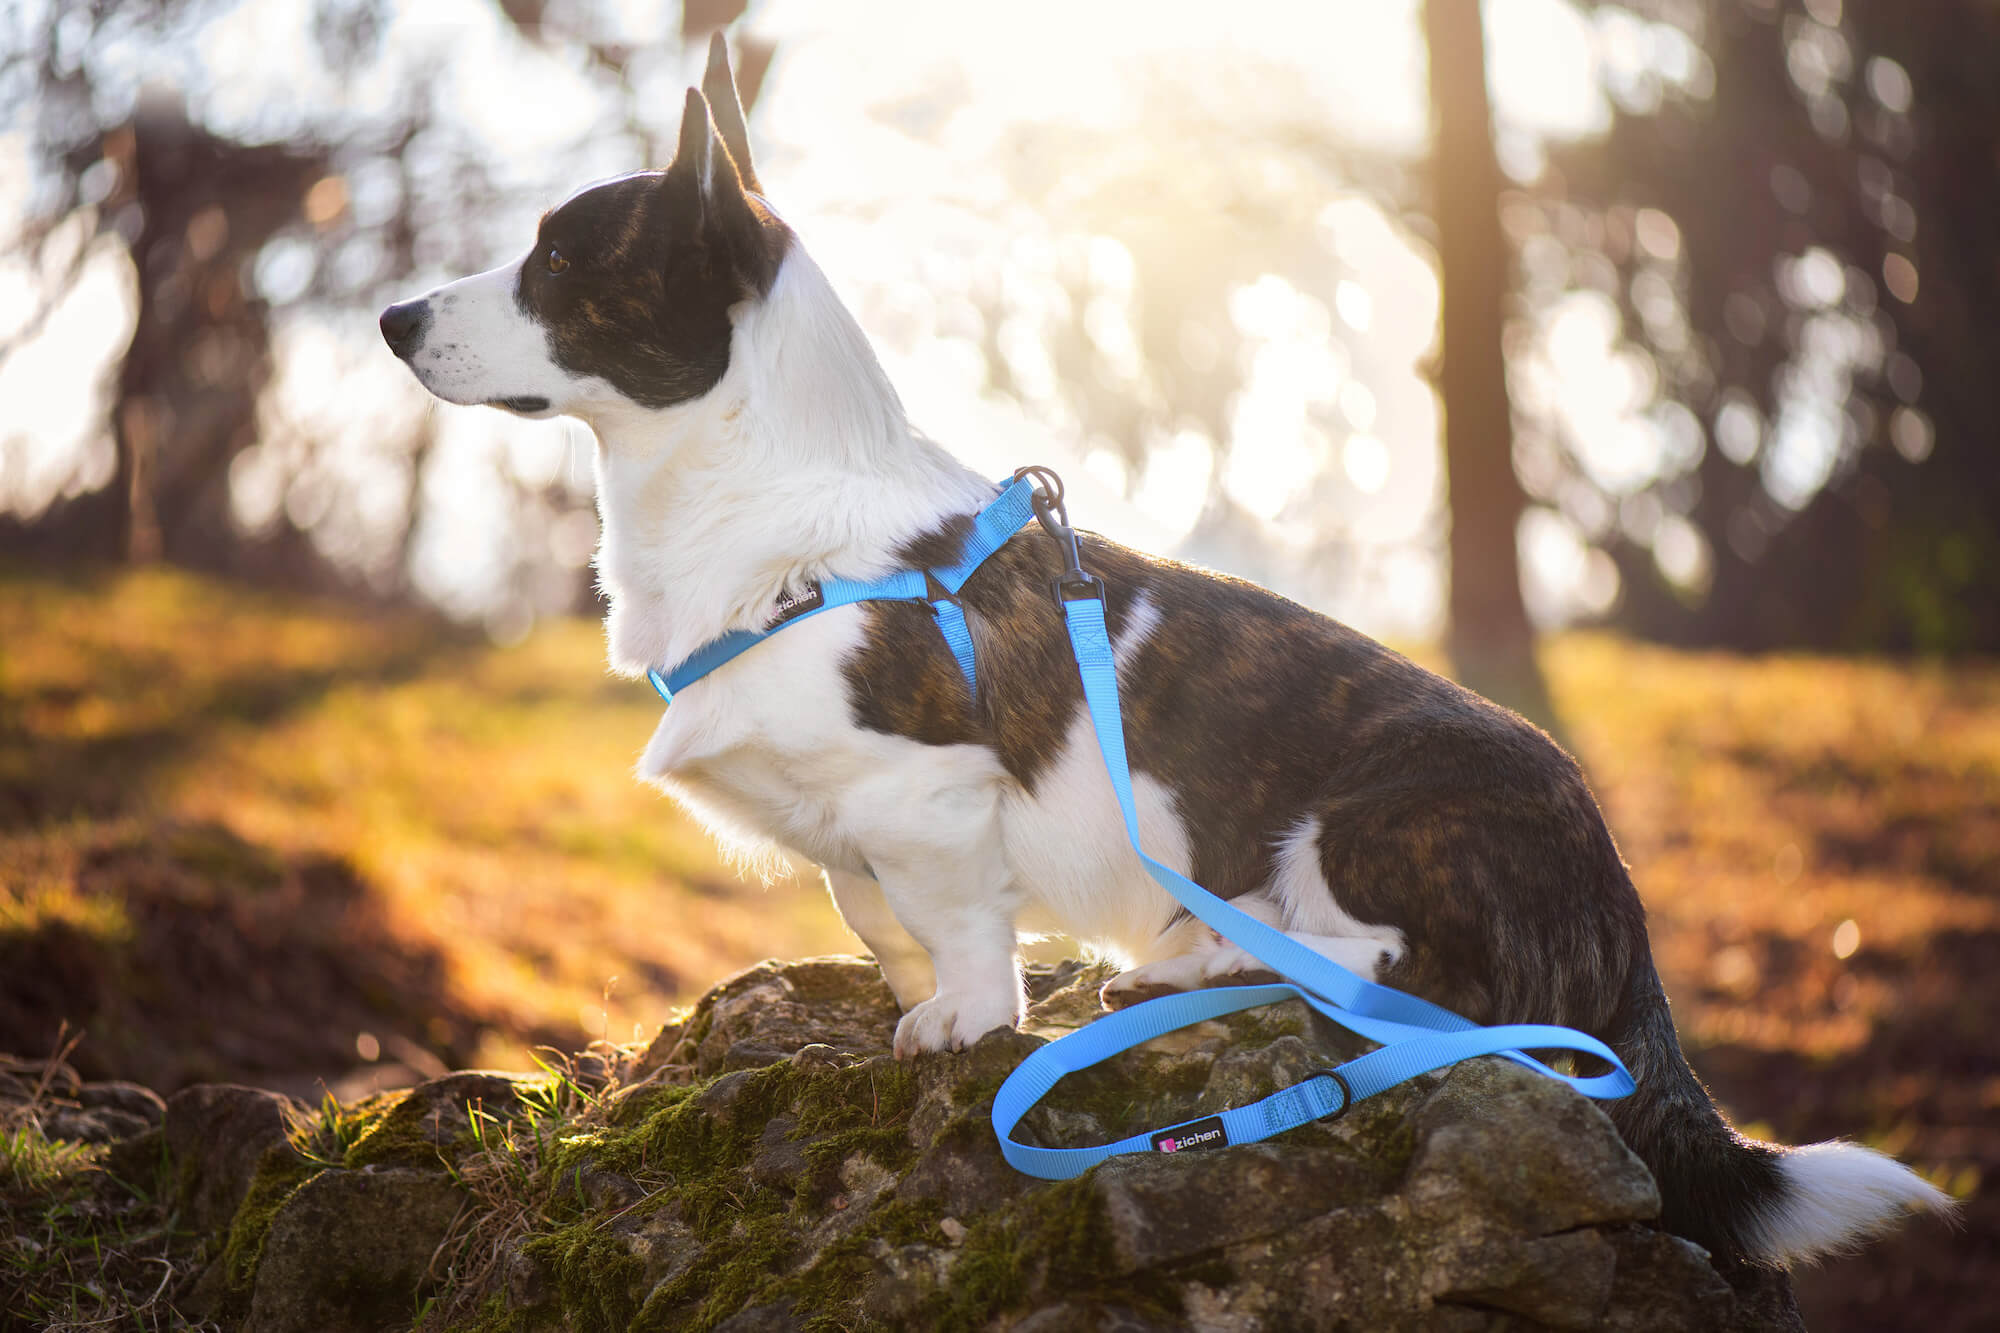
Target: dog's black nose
[[403, 325]]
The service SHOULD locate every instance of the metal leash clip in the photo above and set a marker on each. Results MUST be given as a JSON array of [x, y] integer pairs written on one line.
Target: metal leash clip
[[1073, 584]]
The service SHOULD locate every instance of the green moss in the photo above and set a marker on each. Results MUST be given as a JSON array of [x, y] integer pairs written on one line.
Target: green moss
[[1388, 1140], [697, 1131], [690, 1148], [826, 1296], [697, 1143], [746, 1243], [493, 1316], [1253, 1028], [887, 1145], [833, 1099], [596, 1274], [1054, 1237], [393, 1130], [280, 1174]]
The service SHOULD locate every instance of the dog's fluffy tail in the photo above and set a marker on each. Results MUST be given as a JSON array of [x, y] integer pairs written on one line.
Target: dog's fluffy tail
[[1737, 1197]]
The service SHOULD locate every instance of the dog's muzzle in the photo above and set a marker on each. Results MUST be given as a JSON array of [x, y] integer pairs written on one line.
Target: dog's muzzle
[[404, 325]]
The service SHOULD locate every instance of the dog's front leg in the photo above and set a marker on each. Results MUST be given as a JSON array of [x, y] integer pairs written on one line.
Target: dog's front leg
[[965, 922], [931, 833], [905, 965]]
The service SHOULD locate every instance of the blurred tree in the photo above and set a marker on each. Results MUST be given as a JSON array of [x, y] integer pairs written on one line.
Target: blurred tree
[[323, 211], [1800, 238], [1491, 643], [195, 210], [199, 208]]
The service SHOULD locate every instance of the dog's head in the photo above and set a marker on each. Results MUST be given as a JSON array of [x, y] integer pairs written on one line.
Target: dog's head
[[625, 296]]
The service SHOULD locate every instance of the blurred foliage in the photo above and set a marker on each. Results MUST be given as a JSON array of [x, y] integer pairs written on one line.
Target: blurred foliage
[[1782, 235], [329, 202], [1796, 231]]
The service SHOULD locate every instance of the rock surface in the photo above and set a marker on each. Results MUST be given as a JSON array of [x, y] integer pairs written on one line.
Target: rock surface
[[766, 1165]]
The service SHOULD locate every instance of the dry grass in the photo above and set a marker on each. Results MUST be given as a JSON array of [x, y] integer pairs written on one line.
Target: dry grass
[[476, 803], [511, 1175], [79, 1248], [1818, 843]]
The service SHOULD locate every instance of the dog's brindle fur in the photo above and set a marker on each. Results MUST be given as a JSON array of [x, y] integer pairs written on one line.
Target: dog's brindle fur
[[1435, 814]]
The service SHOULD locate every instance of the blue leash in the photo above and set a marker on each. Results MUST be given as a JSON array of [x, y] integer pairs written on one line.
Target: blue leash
[[1414, 1036]]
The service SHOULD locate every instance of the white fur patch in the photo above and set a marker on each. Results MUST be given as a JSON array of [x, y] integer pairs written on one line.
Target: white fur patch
[[480, 347], [1067, 846], [1836, 1196], [1297, 901], [1307, 903]]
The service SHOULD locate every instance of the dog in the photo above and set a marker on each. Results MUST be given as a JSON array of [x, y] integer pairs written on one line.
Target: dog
[[749, 444]]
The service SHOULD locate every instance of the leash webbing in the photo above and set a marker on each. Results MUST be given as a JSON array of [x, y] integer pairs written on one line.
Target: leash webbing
[[1414, 1036]]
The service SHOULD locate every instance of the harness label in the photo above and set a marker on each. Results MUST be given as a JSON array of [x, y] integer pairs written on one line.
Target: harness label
[[791, 604], [1207, 1133]]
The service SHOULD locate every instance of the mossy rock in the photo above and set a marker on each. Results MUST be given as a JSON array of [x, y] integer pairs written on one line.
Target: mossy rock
[[351, 1250], [767, 1165]]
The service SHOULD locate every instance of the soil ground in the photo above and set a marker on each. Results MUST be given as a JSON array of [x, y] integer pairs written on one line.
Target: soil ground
[[252, 839]]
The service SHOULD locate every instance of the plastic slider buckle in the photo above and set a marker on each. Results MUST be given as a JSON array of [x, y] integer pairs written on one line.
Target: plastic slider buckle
[[1346, 1092]]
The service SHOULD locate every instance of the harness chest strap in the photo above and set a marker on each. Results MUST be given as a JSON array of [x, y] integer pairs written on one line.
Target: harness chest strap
[[1415, 1035], [938, 587]]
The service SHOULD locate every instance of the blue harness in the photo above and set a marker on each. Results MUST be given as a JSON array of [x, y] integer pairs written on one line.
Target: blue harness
[[1415, 1035]]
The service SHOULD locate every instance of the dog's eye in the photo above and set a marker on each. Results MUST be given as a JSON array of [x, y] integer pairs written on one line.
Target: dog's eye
[[556, 262]]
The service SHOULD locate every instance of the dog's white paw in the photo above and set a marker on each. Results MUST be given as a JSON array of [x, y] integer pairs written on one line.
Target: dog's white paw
[[1168, 976], [1232, 966], [953, 1020], [1227, 965]]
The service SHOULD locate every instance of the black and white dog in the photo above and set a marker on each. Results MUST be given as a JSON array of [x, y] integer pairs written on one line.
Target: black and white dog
[[749, 443]]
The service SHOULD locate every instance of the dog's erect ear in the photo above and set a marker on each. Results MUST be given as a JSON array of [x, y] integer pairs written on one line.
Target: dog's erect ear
[[709, 203], [694, 156], [719, 86], [702, 165]]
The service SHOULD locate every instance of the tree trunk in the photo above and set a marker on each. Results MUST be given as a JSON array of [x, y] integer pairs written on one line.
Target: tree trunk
[[1492, 646]]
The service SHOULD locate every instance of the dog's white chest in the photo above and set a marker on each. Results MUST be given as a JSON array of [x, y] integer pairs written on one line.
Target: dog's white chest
[[766, 751], [1067, 846]]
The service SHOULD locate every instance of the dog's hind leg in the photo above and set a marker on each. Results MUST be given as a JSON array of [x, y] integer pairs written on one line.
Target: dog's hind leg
[[904, 963], [1297, 901], [1214, 961]]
